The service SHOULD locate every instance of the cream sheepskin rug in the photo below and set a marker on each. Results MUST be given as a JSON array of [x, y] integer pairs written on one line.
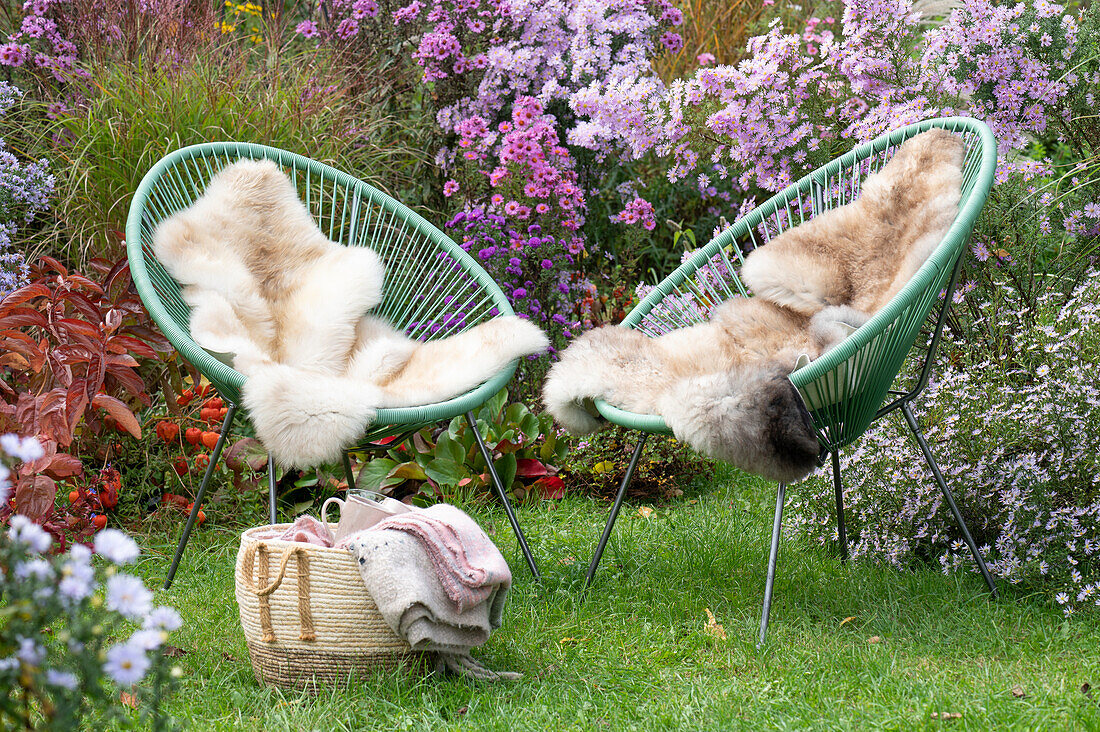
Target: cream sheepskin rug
[[274, 297], [722, 386]]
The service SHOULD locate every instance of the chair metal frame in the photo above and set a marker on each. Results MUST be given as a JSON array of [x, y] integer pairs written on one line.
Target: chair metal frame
[[852, 385], [428, 279]]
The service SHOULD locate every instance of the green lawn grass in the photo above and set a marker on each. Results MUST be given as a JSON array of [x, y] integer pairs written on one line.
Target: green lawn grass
[[849, 647]]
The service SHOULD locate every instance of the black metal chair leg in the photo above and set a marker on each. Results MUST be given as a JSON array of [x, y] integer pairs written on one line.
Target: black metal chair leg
[[503, 496], [839, 488], [614, 512], [915, 429], [202, 493], [348, 475], [773, 557], [271, 489]]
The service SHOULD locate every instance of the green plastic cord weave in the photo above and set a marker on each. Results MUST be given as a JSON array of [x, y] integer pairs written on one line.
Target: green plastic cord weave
[[845, 387], [428, 279]]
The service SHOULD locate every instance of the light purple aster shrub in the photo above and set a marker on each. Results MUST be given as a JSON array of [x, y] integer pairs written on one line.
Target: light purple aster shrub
[[25, 189], [798, 100], [1017, 434]]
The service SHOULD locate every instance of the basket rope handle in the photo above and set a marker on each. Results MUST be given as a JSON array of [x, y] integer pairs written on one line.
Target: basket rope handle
[[305, 612]]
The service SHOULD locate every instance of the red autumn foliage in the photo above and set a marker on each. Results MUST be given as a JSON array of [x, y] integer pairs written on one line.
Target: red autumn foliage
[[70, 346]]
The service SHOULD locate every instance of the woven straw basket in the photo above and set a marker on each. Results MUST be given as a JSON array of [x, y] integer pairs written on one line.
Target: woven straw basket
[[307, 616]]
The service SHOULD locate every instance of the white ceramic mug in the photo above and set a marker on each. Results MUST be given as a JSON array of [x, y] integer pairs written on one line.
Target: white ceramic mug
[[361, 510]]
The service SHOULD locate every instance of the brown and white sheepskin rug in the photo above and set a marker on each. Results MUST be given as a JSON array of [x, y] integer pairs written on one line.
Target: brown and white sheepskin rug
[[287, 307], [722, 386]]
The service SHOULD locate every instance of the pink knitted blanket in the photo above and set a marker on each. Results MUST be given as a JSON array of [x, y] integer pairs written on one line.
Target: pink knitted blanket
[[468, 564], [305, 529]]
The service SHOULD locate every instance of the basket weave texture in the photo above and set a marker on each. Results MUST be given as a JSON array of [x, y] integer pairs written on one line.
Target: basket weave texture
[[306, 615]]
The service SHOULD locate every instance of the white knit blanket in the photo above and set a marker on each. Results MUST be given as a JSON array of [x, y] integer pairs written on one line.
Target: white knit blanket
[[271, 295], [438, 581]]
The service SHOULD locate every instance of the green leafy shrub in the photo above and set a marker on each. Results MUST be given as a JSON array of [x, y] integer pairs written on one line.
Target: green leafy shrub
[[524, 446]]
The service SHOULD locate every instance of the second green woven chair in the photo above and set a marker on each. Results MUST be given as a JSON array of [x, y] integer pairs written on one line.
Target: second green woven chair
[[432, 289], [858, 381]]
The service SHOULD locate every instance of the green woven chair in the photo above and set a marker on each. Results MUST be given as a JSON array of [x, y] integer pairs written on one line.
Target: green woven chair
[[432, 289], [857, 382]]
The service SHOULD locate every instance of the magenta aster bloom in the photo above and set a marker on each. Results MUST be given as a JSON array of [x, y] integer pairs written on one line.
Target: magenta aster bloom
[[307, 29]]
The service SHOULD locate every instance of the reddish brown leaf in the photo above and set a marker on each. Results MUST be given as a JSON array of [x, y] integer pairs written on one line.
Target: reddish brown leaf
[[84, 305], [530, 468], [76, 400], [153, 337], [19, 341], [550, 488], [120, 272], [78, 327], [245, 453], [47, 263], [23, 317], [122, 414], [49, 449], [24, 294], [128, 700], [51, 416], [123, 359], [14, 361], [123, 343], [34, 496], [80, 280], [129, 380], [26, 413], [63, 465]]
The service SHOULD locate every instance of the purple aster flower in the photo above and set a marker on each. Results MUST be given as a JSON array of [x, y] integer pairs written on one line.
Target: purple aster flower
[[5, 484], [129, 596], [30, 652], [27, 449], [62, 679], [24, 531], [12, 54], [307, 29], [148, 639], [126, 663], [116, 546]]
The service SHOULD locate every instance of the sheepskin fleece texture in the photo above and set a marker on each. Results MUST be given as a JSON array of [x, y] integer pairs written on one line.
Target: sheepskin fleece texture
[[287, 307], [722, 386]]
